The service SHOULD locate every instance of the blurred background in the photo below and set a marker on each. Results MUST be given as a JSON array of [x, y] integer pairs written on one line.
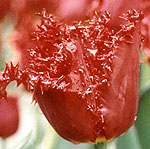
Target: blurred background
[[34, 132]]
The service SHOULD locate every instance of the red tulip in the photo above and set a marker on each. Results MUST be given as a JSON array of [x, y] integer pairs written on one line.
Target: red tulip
[[9, 116], [83, 76], [93, 96]]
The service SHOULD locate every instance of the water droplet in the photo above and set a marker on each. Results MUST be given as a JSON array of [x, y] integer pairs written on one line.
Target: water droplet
[[92, 78], [88, 91], [83, 83], [75, 71], [104, 81], [135, 118], [80, 70], [99, 72], [102, 117], [87, 65], [92, 51]]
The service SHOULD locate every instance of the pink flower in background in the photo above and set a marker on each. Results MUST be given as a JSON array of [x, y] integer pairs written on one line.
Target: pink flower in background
[[4, 7], [9, 116], [145, 28]]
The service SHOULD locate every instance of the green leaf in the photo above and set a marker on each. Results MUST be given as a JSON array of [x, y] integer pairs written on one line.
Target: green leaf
[[144, 89], [6, 48], [39, 132], [130, 140], [63, 144], [144, 74], [143, 121], [24, 142]]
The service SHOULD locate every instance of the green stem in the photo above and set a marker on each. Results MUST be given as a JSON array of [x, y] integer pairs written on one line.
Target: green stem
[[100, 146], [3, 143]]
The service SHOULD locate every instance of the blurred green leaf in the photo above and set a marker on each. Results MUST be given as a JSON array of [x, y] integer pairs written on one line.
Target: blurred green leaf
[[7, 28], [144, 74], [63, 144], [130, 140], [24, 142], [39, 132], [144, 89], [143, 121]]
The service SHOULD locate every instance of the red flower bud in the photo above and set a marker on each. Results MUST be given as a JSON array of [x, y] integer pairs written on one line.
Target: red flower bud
[[9, 116]]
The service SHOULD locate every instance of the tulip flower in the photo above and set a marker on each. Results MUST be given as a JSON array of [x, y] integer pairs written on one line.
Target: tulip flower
[[84, 76], [9, 117]]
